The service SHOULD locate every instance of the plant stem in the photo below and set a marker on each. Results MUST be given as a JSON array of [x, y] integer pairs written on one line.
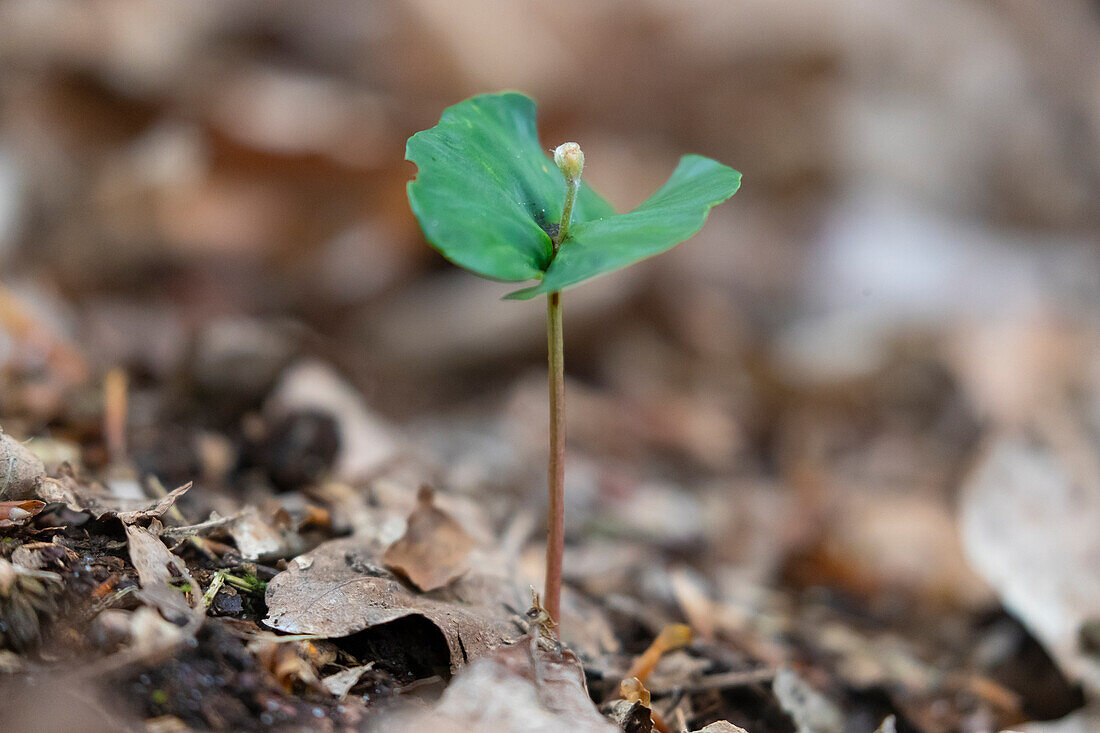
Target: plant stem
[[556, 474], [566, 212], [555, 520]]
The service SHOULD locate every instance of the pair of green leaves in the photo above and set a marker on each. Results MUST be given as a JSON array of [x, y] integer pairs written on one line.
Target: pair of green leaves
[[488, 198]]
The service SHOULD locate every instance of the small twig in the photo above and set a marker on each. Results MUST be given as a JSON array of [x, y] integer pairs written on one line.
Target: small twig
[[192, 530], [199, 543], [722, 681], [115, 597], [212, 591]]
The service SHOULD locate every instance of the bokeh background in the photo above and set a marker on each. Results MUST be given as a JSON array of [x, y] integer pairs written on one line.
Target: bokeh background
[[875, 370]]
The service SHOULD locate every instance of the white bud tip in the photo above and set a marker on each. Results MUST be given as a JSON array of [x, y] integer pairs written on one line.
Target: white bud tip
[[570, 160]]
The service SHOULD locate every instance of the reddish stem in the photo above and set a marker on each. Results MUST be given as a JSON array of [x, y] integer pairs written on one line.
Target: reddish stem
[[556, 474], [555, 520]]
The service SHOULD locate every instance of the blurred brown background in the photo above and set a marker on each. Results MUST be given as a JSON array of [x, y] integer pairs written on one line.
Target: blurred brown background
[[905, 164], [200, 192]]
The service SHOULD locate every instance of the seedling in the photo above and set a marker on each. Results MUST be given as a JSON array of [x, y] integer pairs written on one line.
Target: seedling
[[488, 198]]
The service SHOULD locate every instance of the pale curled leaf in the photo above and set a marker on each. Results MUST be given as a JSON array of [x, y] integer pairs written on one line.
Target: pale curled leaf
[[434, 549], [1028, 524], [341, 588], [722, 726], [889, 725], [339, 684], [157, 569]]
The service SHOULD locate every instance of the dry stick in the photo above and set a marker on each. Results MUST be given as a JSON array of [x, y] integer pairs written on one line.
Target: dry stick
[[570, 160], [720, 681]]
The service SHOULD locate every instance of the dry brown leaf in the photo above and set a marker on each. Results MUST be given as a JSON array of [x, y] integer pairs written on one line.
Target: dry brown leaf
[[21, 472], [157, 568], [27, 599], [100, 503], [155, 511], [14, 513], [61, 490], [287, 663], [341, 588], [43, 555], [434, 549], [532, 686]]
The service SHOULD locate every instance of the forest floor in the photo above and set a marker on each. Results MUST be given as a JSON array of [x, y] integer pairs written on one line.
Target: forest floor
[[295, 561]]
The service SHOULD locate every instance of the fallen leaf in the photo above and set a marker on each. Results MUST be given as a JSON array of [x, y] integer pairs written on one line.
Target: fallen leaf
[[61, 490], [341, 588], [339, 684], [254, 537], [21, 471], [41, 555], [889, 725], [532, 686], [434, 549], [721, 726], [1028, 522], [150, 636], [101, 503], [154, 511], [811, 711], [157, 568], [15, 513], [26, 598], [631, 717], [286, 663]]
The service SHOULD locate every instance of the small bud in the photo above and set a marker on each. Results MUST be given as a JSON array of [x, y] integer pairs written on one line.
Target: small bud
[[570, 160]]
